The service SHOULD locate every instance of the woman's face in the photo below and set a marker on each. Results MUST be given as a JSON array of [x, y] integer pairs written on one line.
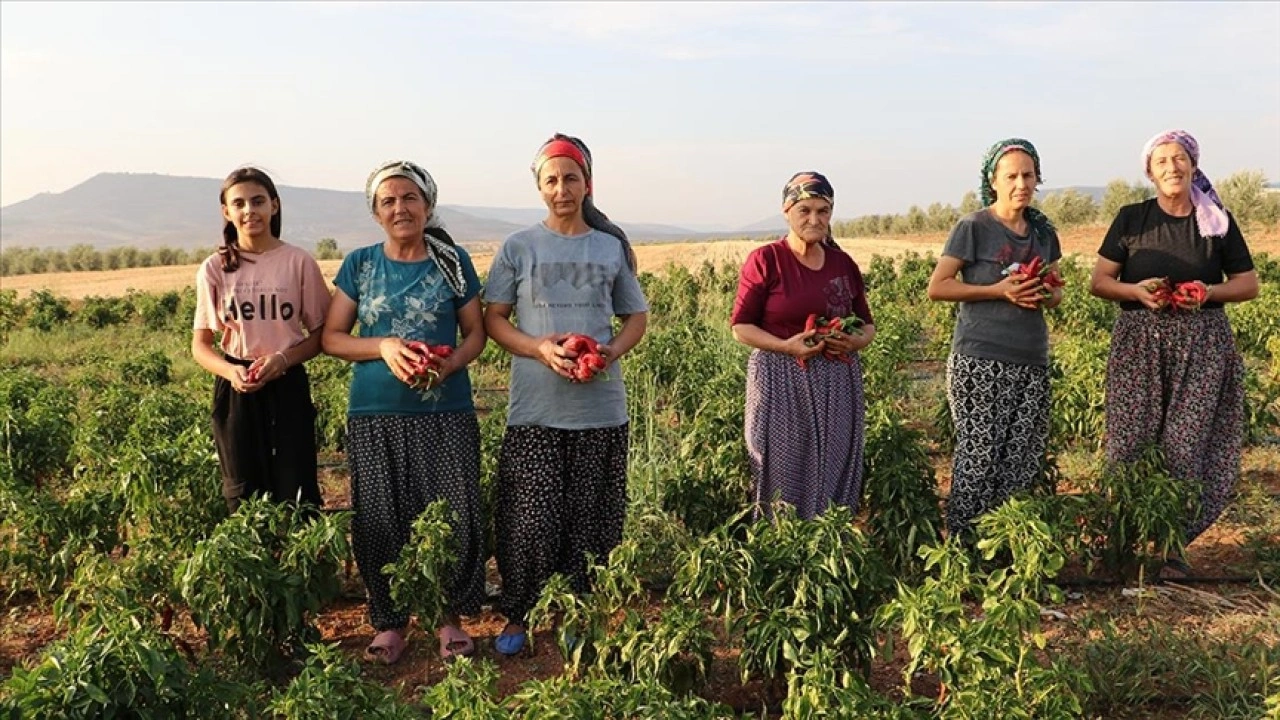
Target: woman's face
[[563, 185], [401, 209], [1171, 169], [249, 207], [810, 219], [1015, 179]]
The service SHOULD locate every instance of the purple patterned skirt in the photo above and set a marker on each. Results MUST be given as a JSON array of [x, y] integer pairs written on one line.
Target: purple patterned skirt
[[804, 431], [1177, 379]]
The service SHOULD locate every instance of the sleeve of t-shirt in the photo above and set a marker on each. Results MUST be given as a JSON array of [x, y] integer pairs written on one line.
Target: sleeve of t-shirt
[[628, 296], [753, 290], [1113, 246], [470, 276], [315, 295], [346, 278], [500, 286], [207, 315], [1054, 247], [1235, 252], [961, 243]]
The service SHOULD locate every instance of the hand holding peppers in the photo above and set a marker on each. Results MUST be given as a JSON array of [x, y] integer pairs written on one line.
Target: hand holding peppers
[[588, 360], [1036, 269], [427, 367], [1189, 295], [830, 329], [1161, 294]]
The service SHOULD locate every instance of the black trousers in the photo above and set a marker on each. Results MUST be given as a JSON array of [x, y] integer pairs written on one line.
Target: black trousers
[[266, 440], [562, 495]]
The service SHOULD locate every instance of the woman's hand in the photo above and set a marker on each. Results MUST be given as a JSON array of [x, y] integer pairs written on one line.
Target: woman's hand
[[1150, 299], [238, 376], [1020, 290], [553, 355], [264, 370], [797, 345], [842, 343], [399, 358]]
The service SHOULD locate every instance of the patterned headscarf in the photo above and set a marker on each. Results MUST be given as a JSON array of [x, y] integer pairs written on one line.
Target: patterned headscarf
[[1211, 215], [440, 245], [987, 192], [561, 145], [805, 185]]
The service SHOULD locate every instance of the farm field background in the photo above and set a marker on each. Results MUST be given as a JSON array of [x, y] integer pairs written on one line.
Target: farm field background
[[111, 522]]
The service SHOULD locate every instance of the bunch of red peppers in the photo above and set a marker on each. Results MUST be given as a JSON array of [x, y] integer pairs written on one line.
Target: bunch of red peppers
[[1049, 278], [588, 362], [823, 327], [426, 366], [1183, 296]]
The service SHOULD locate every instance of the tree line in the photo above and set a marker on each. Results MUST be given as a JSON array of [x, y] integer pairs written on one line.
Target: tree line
[[32, 261], [1245, 194]]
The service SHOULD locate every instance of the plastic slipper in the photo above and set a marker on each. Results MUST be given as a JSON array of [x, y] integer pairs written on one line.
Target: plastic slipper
[[510, 643], [387, 646], [454, 642]]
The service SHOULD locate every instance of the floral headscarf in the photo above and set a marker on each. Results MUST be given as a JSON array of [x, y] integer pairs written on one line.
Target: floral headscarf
[[987, 192], [805, 185], [440, 245], [1211, 215]]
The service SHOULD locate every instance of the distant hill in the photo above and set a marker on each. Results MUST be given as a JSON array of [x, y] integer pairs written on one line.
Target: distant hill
[[148, 210]]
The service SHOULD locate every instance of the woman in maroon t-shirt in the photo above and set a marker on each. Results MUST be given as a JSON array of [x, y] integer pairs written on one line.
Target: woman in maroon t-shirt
[[805, 408]]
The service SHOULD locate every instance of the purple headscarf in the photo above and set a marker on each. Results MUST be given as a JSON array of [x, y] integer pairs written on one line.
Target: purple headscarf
[[1211, 215]]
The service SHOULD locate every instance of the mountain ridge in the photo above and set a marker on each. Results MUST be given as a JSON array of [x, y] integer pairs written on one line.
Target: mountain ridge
[[149, 210]]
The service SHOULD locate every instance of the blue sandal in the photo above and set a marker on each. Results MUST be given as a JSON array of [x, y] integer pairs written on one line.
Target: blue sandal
[[510, 643]]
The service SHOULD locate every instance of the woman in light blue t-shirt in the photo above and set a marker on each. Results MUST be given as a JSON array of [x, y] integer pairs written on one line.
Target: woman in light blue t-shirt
[[562, 469], [412, 436]]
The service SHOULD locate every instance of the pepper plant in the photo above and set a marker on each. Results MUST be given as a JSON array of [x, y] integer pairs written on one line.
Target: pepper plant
[[786, 587], [422, 574], [256, 583]]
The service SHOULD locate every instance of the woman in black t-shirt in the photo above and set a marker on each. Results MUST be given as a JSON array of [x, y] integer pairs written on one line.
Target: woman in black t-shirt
[[1164, 260]]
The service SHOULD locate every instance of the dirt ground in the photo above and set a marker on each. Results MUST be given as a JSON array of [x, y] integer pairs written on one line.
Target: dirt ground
[[651, 257]]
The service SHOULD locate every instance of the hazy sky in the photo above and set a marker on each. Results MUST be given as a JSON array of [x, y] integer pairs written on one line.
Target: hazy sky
[[697, 113]]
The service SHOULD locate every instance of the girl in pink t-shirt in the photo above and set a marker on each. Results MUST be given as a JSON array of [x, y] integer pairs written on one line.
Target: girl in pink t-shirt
[[269, 300]]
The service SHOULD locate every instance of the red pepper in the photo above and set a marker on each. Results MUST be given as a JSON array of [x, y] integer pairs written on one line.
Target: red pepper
[[1032, 269], [426, 364], [588, 360], [1189, 295]]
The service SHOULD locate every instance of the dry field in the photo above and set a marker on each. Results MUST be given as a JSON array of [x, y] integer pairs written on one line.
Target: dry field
[[652, 257]]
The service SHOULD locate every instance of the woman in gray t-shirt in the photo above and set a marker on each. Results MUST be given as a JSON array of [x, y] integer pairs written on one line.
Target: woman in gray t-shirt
[[998, 369], [562, 468]]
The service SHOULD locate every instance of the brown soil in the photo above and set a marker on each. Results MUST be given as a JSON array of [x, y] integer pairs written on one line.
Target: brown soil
[[651, 257]]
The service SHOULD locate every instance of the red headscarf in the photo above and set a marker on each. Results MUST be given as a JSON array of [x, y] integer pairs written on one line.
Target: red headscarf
[[564, 146]]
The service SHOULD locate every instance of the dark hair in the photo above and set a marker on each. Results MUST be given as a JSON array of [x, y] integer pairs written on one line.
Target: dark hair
[[229, 251]]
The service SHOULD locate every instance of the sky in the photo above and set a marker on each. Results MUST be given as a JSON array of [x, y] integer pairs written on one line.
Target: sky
[[696, 113]]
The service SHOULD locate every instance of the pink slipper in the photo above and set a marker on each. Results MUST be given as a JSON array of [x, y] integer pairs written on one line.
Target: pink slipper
[[454, 641], [387, 646]]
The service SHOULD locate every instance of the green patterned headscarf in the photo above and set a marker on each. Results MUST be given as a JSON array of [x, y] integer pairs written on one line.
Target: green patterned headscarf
[[988, 193]]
